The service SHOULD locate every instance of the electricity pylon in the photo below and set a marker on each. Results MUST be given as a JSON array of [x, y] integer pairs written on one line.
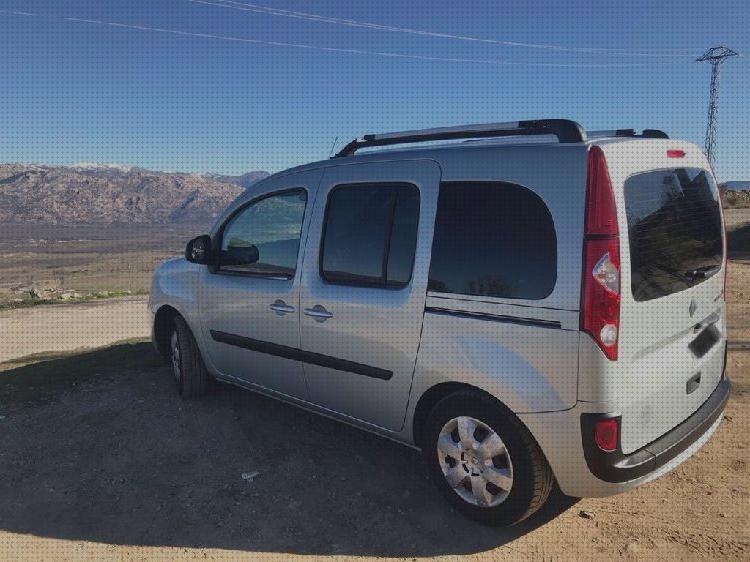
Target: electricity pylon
[[716, 56]]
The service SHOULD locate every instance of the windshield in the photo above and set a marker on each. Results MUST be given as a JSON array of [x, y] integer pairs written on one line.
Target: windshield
[[674, 228]]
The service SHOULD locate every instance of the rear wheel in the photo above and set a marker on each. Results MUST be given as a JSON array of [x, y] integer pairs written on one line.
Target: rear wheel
[[484, 460], [188, 369]]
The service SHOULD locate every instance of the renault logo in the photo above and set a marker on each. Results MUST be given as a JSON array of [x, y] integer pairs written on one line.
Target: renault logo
[[692, 308]]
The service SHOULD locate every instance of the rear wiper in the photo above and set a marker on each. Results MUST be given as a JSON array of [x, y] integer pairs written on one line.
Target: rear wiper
[[702, 272]]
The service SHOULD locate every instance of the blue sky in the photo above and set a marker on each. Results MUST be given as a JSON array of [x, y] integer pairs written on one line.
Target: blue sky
[[90, 91]]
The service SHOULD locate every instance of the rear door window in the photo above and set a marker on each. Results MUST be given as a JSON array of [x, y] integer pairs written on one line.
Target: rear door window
[[493, 239], [674, 228], [370, 234]]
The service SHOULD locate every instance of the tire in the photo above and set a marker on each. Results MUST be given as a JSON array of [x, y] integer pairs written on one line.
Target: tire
[[519, 467], [188, 369]]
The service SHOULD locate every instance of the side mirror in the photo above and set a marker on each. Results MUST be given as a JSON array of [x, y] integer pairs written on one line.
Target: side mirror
[[198, 250]]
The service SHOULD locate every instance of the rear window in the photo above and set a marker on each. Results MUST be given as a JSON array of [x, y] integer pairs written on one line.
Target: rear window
[[493, 239], [674, 228]]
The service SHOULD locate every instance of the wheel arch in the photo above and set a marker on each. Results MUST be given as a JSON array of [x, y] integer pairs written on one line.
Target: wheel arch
[[162, 329], [427, 402], [429, 399]]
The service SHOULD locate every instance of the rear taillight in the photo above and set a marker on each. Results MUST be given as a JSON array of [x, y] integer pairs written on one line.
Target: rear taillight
[[600, 314]]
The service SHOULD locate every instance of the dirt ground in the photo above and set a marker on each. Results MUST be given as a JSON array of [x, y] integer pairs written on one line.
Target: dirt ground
[[68, 327], [99, 458]]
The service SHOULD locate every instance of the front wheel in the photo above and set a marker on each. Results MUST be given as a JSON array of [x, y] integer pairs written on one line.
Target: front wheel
[[484, 460], [188, 369]]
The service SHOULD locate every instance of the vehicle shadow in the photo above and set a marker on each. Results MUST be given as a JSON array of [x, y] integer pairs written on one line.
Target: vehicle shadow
[[113, 455]]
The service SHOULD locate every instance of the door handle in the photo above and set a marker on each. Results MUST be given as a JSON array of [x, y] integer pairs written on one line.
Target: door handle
[[281, 308], [319, 313]]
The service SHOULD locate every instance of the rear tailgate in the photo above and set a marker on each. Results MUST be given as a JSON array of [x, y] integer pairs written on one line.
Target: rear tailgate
[[672, 319]]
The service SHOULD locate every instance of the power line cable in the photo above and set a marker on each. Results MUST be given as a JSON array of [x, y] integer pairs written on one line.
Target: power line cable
[[383, 54], [268, 10]]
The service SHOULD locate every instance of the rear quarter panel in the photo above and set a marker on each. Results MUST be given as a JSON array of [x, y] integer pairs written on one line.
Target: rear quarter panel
[[527, 367]]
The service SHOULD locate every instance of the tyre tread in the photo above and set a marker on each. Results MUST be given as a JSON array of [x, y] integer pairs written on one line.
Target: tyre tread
[[195, 377]]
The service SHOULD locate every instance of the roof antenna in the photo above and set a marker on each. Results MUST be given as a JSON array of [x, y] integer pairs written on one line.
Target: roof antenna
[[330, 154]]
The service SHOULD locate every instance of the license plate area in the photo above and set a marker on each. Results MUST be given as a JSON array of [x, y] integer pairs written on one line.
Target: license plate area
[[705, 341]]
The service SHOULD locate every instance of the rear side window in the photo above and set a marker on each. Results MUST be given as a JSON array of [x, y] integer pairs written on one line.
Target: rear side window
[[674, 228], [493, 239], [370, 234]]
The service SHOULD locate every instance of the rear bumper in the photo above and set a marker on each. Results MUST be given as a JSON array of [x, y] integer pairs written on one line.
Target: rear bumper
[[559, 435], [618, 467]]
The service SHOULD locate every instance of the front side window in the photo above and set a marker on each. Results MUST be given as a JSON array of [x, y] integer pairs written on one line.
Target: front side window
[[263, 238], [370, 234], [493, 239]]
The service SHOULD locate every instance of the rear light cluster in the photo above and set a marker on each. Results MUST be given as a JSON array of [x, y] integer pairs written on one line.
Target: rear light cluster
[[600, 315]]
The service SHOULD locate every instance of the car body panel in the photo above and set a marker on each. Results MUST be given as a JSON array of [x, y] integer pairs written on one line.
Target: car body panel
[[175, 284], [514, 353]]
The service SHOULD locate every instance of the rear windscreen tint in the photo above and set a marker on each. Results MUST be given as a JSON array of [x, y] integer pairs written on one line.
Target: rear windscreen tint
[[674, 227]]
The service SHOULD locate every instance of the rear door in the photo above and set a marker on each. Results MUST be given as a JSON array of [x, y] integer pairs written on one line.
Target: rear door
[[364, 286], [672, 331]]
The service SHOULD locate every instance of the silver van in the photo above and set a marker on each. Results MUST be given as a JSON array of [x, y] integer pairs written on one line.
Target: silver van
[[525, 302]]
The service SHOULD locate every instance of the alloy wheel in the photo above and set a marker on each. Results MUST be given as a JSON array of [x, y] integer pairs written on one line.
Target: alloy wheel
[[475, 461]]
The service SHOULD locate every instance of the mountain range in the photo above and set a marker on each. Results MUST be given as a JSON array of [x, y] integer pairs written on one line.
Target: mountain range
[[113, 193], [90, 193]]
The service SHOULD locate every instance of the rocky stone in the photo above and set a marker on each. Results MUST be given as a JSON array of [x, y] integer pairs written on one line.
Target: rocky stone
[[735, 199], [68, 295]]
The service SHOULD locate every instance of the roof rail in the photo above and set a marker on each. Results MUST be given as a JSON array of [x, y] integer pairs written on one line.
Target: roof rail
[[565, 130], [645, 134]]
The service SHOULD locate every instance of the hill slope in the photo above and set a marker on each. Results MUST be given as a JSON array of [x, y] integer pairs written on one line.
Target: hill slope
[[94, 193]]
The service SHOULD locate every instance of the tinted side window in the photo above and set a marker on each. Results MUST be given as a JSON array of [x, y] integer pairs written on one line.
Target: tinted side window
[[263, 238], [403, 237], [493, 239], [370, 234]]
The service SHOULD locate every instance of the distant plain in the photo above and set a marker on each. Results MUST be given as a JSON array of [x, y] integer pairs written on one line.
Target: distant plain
[[84, 261], [56, 263]]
